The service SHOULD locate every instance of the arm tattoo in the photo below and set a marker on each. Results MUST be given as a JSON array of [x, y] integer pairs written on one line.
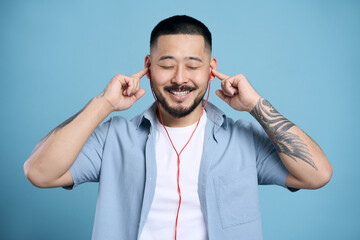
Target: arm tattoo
[[276, 126], [63, 124]]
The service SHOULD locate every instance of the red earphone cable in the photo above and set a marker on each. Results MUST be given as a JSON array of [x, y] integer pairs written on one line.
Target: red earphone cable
[[178, 154]]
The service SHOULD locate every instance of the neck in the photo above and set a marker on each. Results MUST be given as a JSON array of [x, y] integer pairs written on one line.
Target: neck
[[188, 120]]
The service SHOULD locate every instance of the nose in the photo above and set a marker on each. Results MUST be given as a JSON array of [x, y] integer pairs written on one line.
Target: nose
[[179, 77]]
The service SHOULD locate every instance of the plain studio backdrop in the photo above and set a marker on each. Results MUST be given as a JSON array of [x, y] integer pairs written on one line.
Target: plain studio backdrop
[[303, 56]]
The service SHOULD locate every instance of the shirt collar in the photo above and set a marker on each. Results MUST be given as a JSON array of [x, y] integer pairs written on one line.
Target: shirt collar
[[213, 113]]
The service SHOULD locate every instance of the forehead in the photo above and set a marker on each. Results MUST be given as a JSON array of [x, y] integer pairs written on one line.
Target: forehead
[[186, 44]]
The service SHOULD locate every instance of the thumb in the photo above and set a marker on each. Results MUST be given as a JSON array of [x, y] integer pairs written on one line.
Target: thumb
[[139, 93], [223, 97], [220, 94]]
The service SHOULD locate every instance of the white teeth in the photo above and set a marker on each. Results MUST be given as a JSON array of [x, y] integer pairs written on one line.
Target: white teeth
[[180, 93]]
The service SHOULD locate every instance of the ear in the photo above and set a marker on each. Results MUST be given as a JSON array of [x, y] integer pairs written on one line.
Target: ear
[[213, 65], [147, 64]]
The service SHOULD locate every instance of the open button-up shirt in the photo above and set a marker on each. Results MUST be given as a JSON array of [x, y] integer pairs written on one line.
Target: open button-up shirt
[[120, 155]]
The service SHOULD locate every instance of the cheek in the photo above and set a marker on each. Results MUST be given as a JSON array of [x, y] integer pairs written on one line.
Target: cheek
[[201, 79], [161, 77]]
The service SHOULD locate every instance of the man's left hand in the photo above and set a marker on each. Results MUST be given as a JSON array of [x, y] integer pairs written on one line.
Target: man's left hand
[[237, 91]]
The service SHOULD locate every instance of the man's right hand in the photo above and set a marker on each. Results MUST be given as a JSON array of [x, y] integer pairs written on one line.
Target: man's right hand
[[123, 91]]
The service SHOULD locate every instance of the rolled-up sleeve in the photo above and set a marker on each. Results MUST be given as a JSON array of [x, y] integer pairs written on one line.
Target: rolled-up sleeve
[[86, 167], [270, 168]]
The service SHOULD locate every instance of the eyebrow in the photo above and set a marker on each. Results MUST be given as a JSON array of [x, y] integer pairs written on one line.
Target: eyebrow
[[187, 58]]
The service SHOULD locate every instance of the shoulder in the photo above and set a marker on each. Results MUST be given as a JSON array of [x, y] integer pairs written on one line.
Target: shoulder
[[120, 123], [219, 118], [119, 120], [244, 131], [139, 124], [243, 125]]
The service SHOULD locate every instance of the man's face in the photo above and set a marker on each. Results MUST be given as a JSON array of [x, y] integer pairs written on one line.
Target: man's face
[[180, 68]]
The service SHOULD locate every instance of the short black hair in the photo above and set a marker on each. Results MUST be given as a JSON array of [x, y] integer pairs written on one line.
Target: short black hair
[[181, 24]]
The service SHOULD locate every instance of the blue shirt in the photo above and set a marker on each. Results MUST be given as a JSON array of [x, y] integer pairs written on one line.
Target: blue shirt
[[120, 155]]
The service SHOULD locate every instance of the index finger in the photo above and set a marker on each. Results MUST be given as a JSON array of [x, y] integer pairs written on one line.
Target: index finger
[[140, 74], [220, 75]]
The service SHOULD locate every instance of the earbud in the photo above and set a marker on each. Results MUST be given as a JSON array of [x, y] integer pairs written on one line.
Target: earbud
[[210, 75], [149, 74]]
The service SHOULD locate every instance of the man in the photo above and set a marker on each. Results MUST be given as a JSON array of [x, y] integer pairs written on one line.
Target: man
[[176, 170]]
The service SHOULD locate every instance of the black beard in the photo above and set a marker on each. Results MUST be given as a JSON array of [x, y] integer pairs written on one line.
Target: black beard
[[178, 112]]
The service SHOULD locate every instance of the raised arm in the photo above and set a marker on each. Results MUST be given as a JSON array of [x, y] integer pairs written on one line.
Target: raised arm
[[51, 159], [301, 155], [306, 162]]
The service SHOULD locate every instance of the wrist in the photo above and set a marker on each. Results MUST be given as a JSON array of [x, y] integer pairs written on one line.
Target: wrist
[[253, 103], [104, 104]]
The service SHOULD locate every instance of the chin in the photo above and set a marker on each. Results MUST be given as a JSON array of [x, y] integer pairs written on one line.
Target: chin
[[180, 111]]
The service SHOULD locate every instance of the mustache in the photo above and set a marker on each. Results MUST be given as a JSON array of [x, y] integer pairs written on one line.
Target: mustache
[[179, 88]]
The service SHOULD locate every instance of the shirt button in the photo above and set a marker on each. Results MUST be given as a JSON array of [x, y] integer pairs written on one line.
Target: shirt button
[[150, 179], [149, 135]]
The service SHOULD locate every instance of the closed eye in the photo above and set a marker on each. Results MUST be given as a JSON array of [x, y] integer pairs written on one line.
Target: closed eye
[[167, 67], [193, 68]]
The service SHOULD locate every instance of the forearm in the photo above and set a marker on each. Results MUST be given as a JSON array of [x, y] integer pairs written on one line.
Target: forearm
[[300, 154], [58, 150]]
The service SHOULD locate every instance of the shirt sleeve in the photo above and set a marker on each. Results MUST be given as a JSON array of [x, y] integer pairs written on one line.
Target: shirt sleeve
[[270, 168], [86, 167]]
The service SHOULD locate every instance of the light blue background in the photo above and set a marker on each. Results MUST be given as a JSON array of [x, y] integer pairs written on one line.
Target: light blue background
[[303, 56]]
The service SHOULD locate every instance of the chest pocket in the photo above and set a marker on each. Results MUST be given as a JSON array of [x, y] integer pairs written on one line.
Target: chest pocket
[[237, 197]]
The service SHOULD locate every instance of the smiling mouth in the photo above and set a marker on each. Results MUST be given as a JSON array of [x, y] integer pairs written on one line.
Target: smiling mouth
[[179, 93]]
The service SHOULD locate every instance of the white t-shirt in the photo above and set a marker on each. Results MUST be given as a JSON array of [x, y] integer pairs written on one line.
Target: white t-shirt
[[160, 223]]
